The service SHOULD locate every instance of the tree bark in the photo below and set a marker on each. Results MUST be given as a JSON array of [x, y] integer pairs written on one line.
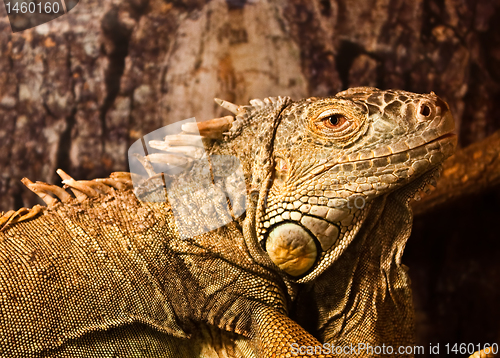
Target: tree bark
[[472, 170], [77, 91]]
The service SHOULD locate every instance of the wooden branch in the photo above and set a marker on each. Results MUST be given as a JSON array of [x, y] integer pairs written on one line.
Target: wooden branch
[[471, 170]]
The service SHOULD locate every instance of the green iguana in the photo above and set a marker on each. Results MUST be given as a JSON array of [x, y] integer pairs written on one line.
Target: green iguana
[[316, 257]]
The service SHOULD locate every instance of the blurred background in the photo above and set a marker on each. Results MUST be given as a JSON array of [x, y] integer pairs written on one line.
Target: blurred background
[[76, 92]]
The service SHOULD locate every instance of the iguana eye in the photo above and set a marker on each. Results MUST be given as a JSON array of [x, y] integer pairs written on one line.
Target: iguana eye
[[334, 121], [330, 122]]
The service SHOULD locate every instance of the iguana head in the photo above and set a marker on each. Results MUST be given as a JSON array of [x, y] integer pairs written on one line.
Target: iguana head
[[333, 156], [327, 159]]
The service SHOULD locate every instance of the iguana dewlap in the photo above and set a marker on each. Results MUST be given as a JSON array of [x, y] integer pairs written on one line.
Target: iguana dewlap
[[315, 259]]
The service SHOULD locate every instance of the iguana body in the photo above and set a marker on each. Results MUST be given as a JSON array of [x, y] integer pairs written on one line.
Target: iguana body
[[106, 274]]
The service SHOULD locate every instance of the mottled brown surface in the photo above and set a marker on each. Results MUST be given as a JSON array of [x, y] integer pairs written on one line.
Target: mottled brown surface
[[472, 170], [75, 93]]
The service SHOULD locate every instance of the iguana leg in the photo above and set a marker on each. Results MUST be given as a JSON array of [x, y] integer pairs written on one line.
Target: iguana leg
[[280, 336]]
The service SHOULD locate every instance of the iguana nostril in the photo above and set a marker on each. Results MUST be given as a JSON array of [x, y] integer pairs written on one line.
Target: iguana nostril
[[291, 248], [425, 110]]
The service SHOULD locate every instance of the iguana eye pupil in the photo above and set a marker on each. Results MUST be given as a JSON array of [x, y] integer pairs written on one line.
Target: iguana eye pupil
[[334, 120]]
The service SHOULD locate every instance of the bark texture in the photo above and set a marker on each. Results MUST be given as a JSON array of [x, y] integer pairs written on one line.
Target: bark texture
[[76, 92]]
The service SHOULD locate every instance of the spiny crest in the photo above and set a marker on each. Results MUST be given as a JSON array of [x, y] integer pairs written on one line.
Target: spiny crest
[[11, 217], [179, 151], [245, 115], [53, 194]]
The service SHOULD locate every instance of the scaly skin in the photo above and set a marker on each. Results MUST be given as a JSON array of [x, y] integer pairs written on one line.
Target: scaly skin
[[316, 258]]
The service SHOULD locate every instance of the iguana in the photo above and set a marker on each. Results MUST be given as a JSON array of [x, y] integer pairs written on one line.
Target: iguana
[[316, 257]]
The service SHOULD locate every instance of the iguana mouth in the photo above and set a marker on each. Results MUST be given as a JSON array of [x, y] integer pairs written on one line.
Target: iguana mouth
[[450, 135], [437, 145], [440, 139]]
